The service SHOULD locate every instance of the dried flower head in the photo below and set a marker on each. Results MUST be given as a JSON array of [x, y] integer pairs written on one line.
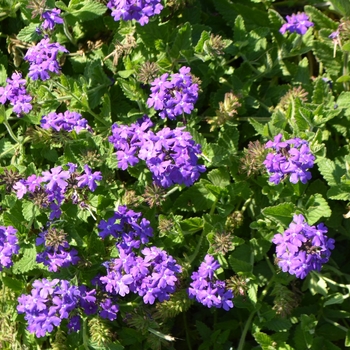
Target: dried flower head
[[55, 238], [154, 195], [285, 300], [9, 178], [216, 45], [238, 285], [226, 112], [253, 158], [290, 96], [99, 331], [148, 72], [222, 243]]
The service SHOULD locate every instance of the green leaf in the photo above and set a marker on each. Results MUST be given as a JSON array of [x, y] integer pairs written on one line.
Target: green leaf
[[342, 6], [191, 225], [12, 283], [281, 213], [239, 259], [204, 37], [316, 208], [85, 11], [264, 340], [260, 247], [278, 324], [28, 34], [196, 198], [219, 177], [240, 33], [183, 40], [320, 19], [335, 298], [27, 262], [330, 171], [28, 210]]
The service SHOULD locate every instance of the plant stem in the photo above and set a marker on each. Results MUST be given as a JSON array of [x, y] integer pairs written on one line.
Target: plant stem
[[8, 127], [187, 334], [245, 331]]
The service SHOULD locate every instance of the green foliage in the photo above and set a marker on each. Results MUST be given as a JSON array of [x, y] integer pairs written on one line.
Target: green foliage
[[254, 83]]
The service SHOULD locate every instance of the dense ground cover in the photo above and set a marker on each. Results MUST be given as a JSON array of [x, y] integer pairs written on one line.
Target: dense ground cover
[[174, 174]]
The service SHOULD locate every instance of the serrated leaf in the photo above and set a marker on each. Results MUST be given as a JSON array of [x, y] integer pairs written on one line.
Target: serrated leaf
[[239, 31], [316, 208], [27, 262], [28, 210], [278, 324], [342, 6], [87, 11], [14, 284], [28, 34], [330, 171], [320, 19], [219, 177], [183, 40], [281, 213], [196, 198], [260, 247], [239, 259], [263, 339], [204, 37], [191, 225]]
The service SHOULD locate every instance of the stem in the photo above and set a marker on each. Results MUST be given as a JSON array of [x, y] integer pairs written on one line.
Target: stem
[[191, 259], [68, 33], [188, 341], [85, 336], [345, 69], [245, 331], [8, 127], [79, 100], [336, 324]]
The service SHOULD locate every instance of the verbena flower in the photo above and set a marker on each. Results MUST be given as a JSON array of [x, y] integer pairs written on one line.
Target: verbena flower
[[297, 23], [16, 94], [208, 290], [129, 228], [171, 155], [290, 158], [67, 121], [8, 246], [56, 186], [140, 10], [175, 96], [42, 59], [51, 18], [152, 276], [57, 252], [302, 248], [50, 302]]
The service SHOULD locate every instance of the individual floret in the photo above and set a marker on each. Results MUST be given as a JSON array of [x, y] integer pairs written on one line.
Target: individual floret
[[16, 94], [51, 18], [291, 158], [140, 10], [175, 96], [302, 248], [297, 23]]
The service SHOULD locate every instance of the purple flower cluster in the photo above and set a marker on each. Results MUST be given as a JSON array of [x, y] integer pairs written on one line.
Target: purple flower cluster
[[42, 59], [54, 185], [51, 18], [67, 121], [302, 248], [128, 228], [8, 246], [208, 290], [175, 96], [170, 155], [16, 93], [50, 302], [151, 276], [140, 10], [55, 255], [297, 23], [291, 157]]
